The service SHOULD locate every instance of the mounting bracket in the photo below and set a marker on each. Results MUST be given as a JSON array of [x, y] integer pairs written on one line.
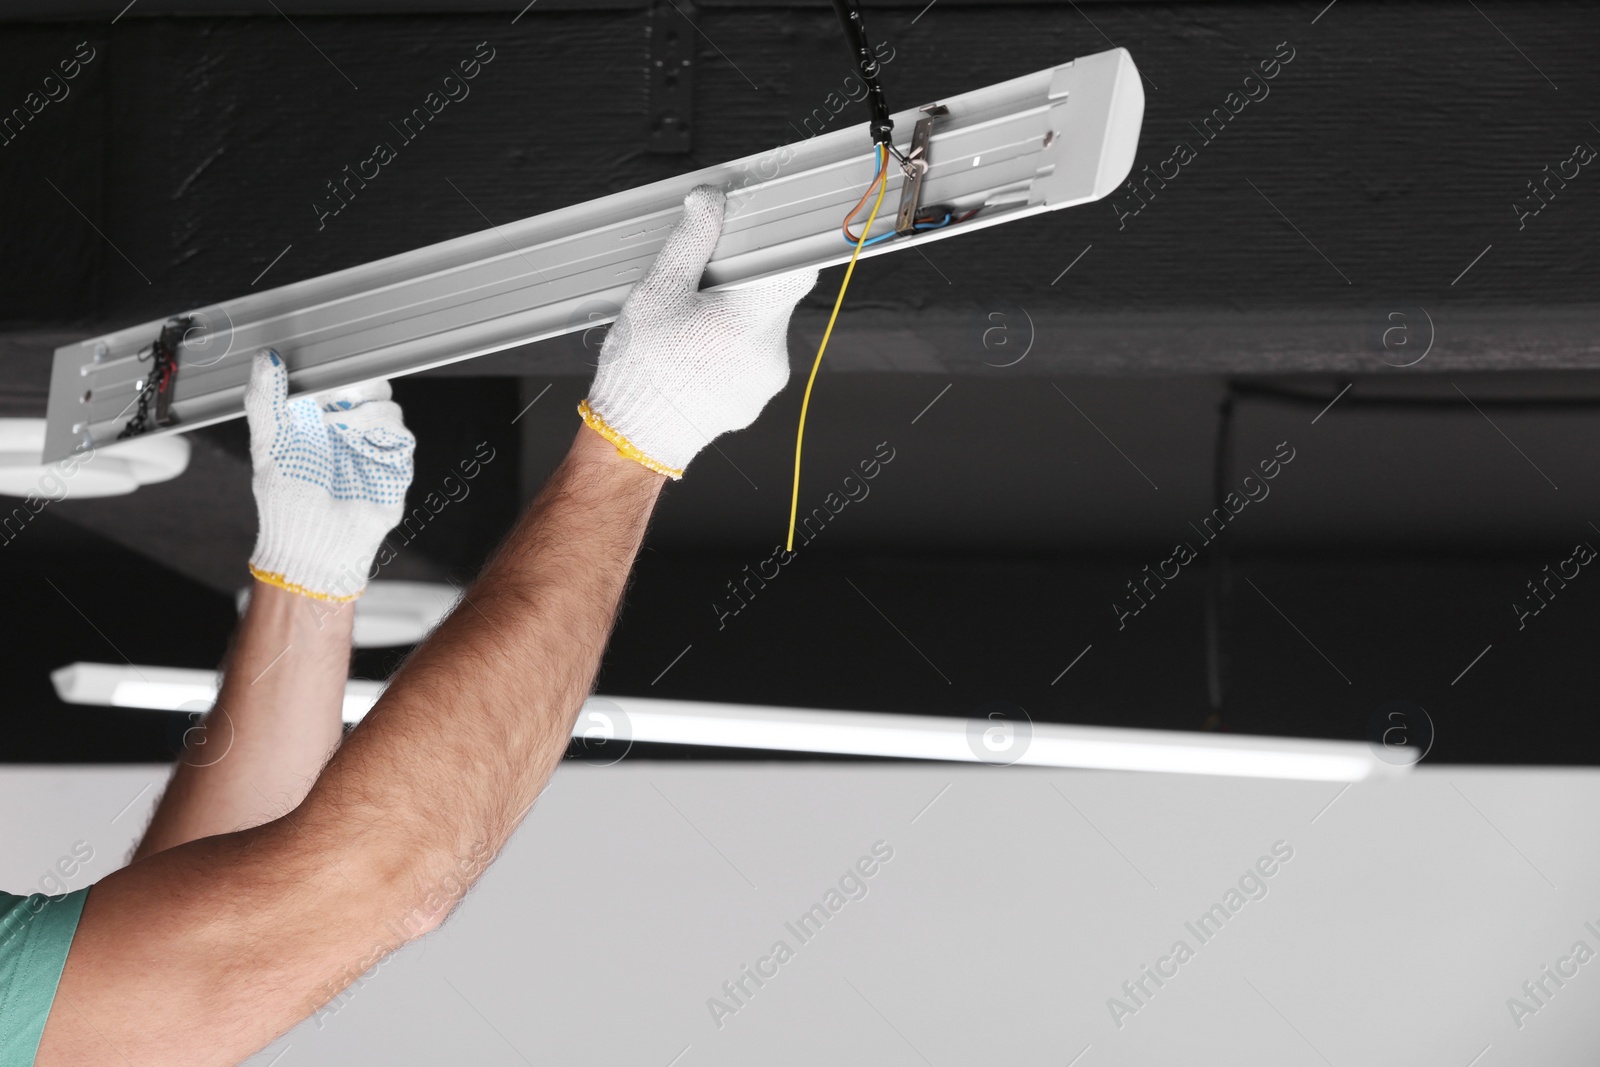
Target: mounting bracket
[[916, 167]]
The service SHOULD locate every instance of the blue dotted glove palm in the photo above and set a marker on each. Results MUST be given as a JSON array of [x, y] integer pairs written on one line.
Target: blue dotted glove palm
[[331, 473]]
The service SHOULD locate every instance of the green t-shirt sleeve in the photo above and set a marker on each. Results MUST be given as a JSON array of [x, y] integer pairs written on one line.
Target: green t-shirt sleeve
[[35, 934]]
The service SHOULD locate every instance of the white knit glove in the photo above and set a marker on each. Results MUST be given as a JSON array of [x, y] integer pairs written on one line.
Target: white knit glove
[[680, 366], [331, 473]]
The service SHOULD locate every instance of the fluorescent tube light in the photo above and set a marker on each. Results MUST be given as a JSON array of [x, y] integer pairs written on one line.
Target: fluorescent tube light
[[922, 737], [940, 738], [171, 688], [1044, 141]]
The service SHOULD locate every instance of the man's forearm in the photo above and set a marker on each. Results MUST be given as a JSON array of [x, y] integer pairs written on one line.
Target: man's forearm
[[470, 729], [276, 720]]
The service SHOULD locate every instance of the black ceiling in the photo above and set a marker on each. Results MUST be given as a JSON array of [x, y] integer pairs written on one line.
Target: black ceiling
[[1379, 178]]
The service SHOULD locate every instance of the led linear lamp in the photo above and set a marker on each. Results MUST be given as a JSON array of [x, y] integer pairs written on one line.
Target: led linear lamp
[[918, 737], [1048, 140], [112, 685]]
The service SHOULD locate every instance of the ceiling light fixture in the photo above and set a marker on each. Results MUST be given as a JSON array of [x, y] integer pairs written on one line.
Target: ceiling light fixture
[[913, 737], [1009, 151], [111, 685]]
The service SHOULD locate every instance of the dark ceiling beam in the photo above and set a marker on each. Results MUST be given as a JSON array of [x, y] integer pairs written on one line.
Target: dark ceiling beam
[[88, 10], [1013, 340], [179, 182], [201, 524], [1004, 339]]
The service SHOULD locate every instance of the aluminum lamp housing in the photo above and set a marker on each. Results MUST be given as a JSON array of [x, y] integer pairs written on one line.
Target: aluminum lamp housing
[[1045, 141]]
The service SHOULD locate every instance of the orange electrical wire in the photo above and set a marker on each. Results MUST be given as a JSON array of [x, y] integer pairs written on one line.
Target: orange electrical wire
[[882, 177], [882, 184]]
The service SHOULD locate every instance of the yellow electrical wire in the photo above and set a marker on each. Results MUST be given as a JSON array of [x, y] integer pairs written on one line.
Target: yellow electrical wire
[[883, 186]]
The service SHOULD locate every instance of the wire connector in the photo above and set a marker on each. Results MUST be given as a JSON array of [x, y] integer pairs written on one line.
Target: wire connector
[[160, 382]]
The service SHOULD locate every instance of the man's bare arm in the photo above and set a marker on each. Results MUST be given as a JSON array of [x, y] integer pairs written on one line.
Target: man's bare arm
[[329, 476], [205, 952], [493, 695], [277, 719]]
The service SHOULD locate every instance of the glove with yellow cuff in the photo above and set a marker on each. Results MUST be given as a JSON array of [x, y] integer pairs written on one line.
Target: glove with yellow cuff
[[680, 367], [331, 474]]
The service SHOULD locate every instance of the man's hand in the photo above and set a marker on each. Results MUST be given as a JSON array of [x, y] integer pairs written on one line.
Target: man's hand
[[680, 366], [331, 474]]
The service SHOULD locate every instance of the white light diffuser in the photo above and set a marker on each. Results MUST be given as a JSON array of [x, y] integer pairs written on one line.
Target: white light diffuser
[[171, 688], [923, 737], [940, 738], [113, 469]]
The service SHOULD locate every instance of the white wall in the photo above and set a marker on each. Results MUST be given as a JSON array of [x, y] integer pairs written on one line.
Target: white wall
[[1012, 909]]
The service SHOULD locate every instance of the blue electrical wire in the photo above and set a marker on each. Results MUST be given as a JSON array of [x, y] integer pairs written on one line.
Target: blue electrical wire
[[886, 236], [878, 170]]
